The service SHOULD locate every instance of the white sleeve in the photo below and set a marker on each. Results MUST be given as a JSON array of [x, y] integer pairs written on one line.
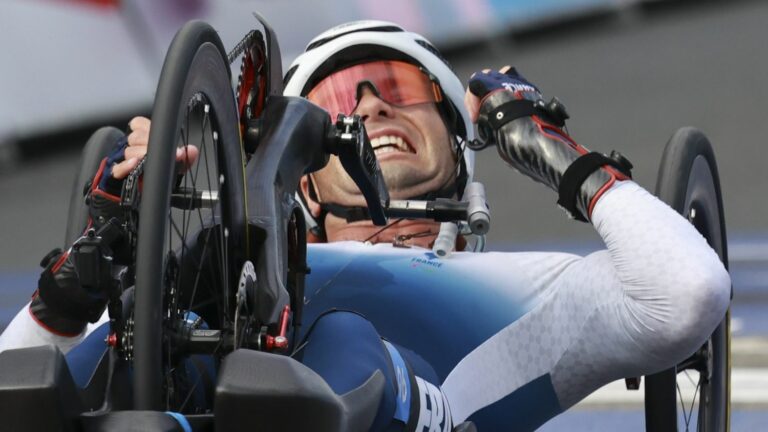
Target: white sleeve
[[656, 293], [647, 302], [24, 332]]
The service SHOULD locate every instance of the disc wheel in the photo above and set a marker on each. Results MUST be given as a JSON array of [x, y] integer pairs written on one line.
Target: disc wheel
[[192, 221], [694, 395]]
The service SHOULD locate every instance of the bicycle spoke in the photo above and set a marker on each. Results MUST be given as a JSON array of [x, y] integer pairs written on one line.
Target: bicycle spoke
[[188, 211], [687, 413]]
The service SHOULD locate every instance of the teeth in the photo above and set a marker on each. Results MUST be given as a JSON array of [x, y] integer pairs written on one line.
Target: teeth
[[383, 150], [390, 140], [400, 144]]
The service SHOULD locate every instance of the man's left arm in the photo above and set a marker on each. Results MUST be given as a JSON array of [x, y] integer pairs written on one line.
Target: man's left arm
[[648, 301]]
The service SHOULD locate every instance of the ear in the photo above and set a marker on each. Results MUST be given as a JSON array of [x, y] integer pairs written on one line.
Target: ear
[[314, 206]]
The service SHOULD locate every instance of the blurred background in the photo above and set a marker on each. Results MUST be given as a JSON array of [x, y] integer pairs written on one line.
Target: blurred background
[[630, 72]]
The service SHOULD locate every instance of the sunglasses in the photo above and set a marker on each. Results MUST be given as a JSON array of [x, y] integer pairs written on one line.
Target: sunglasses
[[395, 82]]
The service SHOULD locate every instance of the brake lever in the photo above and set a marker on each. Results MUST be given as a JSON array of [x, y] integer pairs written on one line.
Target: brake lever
[[349, 141]]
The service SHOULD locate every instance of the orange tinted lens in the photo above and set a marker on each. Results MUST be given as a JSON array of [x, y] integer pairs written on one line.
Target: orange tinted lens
[[398, 83]]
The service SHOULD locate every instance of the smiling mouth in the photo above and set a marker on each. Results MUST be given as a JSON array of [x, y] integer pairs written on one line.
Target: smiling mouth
[[390, 144]]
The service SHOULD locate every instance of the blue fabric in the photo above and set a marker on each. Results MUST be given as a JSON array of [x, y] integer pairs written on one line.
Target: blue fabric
[[116, 156], [404, 391], [481, 83], [183, 422], [526, 408], [345, 350], [83, 358]]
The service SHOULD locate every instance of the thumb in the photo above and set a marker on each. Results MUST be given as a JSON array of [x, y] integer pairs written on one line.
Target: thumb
[[121, 170]]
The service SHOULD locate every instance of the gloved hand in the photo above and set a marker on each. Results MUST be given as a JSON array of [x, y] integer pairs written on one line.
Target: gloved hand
[[512, 114], [62, 304]]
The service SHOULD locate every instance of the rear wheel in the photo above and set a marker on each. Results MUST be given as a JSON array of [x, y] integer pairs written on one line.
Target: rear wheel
[[694, 395], [192, 222]]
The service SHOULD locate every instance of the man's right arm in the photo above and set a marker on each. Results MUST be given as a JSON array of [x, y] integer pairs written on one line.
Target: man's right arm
[[62, 311]]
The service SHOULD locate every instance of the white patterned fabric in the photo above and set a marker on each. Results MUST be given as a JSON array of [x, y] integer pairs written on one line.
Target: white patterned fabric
[[644, 304]]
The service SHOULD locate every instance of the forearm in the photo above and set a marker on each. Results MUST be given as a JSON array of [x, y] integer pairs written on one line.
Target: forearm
[[24, 331], [644, 304], [675, 284]]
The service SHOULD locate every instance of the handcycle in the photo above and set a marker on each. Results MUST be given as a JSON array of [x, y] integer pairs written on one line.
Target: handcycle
[[251, 146]]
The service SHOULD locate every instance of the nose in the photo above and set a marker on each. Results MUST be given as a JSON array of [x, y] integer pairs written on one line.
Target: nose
[[371, 106]]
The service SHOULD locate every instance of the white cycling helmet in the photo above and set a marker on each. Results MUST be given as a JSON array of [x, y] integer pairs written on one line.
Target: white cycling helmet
[[364, 41]]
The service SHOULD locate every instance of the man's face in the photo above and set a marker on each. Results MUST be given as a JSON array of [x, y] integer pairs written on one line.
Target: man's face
[[412, 145]]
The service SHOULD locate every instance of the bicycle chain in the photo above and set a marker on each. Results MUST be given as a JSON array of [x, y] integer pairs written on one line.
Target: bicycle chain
[[129, 201], [241, 46]]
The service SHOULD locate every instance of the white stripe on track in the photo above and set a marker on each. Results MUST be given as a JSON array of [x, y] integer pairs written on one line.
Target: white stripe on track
[[749, 389]]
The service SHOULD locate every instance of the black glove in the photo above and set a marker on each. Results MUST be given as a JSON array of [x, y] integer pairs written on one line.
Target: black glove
[[527, 131], [61, 304], [74, 286]]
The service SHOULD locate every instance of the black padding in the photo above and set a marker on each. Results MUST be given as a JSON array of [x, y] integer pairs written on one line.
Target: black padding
[[575, 176], [277, 393], [350, 214], [37, 392], [361, 404], [511, 110], [130, 421]]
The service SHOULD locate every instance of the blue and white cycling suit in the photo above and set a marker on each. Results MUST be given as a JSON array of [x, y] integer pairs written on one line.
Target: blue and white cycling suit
[[513, 339]]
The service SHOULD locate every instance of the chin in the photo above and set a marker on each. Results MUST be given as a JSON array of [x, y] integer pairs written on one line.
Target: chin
[[412, 187]]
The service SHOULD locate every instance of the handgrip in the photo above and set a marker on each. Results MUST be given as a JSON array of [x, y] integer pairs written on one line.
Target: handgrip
[[478, 214]]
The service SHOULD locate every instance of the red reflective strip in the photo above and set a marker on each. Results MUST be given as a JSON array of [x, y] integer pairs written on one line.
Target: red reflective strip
[[60, 262], [113, 198], [97, 177], [48, 329], [598, 195]]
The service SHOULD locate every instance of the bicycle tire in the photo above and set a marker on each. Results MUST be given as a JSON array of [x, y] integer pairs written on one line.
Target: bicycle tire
[[688, 181], [195, 72], [96, 148]]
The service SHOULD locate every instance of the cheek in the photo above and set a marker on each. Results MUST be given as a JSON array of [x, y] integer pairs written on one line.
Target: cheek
[[440, 147], [331, 176]]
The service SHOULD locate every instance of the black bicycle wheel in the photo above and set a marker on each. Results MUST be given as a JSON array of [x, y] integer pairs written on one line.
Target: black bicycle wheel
[[97, 148], [688, 181], [192, 221]]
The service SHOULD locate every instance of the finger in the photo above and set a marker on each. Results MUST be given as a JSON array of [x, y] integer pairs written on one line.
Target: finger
[[121, 170], [505, 69], [135, 152], [139, 124], [187, 156], [138, 138], [472, 103], [485, 71]]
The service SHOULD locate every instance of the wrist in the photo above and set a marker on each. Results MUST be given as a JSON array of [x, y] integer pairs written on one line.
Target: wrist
[[53, 322]]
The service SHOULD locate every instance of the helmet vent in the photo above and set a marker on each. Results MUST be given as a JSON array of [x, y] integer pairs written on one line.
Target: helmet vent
[[385, 28], [427, 46]]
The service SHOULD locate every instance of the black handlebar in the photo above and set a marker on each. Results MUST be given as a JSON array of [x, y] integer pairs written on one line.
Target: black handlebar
[[349, 141]]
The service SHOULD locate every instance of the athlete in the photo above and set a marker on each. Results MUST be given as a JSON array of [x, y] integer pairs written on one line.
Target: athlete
[[497, 339]]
